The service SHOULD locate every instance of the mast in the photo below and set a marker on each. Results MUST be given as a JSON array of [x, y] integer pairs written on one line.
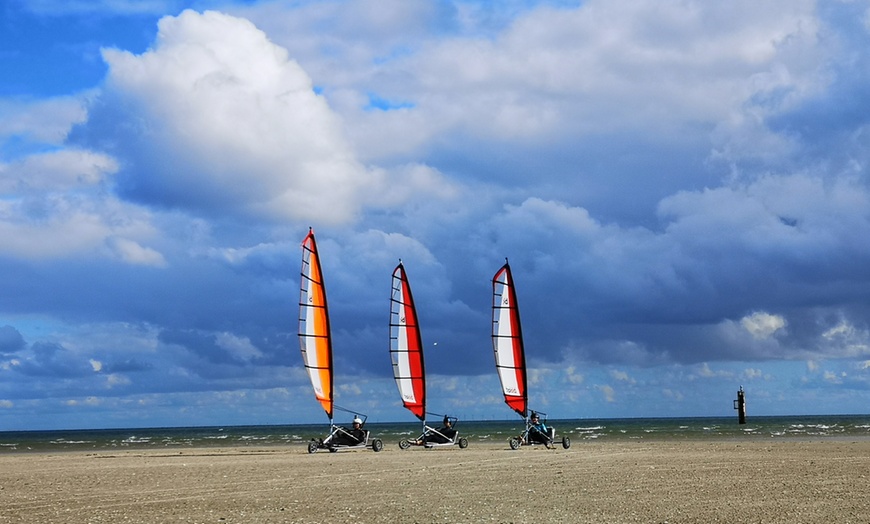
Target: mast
[[315, 339], [507, 341], [406, 346]]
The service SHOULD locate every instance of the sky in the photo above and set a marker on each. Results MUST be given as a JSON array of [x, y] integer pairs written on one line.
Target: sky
[[682, 189]]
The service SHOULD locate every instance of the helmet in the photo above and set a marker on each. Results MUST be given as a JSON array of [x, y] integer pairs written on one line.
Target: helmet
[[357, 420]]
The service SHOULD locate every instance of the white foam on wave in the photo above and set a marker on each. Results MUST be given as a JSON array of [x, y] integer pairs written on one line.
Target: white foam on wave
[[135, 440]]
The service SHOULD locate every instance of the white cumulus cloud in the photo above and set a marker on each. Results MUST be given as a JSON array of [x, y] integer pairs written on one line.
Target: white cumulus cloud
[[763, 325], [231, 124]]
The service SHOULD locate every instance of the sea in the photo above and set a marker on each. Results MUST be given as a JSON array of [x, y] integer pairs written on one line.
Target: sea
[[815, 427]]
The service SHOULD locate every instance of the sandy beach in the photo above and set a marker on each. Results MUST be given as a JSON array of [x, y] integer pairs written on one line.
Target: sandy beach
[[657, 482]]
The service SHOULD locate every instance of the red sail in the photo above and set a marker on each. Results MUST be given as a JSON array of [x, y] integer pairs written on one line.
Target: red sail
[[507, 341], [406, 347]]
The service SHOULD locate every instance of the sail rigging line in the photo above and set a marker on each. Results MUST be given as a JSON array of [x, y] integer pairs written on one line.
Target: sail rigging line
[[507, 341], [336, 407], [406, 346], [315, 340]]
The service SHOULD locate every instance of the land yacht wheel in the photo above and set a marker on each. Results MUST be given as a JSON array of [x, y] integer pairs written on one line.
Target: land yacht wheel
[[566, 442], [312, 447], [377, 445], [404, 444], [463, 443], [514, 443]]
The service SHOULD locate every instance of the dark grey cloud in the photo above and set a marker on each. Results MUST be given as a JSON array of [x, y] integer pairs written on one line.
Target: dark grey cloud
[[11, 340], [53, 360], [128, 366]]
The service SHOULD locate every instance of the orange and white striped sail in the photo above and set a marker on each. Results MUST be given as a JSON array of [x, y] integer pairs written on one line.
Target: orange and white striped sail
[[406, 346], [507, 341], [314, 335]]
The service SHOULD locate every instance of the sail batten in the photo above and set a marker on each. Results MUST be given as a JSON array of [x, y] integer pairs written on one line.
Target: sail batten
[[406, 346], [507, 341], [315, 340]]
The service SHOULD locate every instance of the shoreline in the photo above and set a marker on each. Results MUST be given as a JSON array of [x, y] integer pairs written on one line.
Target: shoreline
[[389, 443]]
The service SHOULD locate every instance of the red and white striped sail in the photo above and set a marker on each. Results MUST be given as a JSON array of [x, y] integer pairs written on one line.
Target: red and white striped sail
[[507, 341], [406, 346], [314, 335]]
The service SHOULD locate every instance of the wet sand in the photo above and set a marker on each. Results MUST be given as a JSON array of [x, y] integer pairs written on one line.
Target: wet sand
[[611, 482]]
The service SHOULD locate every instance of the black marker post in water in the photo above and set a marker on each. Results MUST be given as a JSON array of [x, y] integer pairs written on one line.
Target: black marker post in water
[[740, 406]]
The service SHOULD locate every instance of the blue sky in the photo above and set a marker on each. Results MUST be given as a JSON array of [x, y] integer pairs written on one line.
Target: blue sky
[[681, 189]]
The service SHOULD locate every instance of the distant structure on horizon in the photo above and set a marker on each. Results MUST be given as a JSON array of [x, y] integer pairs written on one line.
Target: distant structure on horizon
[[740, 406]]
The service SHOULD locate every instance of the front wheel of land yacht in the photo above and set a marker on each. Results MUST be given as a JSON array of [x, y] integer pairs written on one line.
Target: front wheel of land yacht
[[566, 442], [404, 444], [514, 443], [312, 446], [463, 443], [377, 445]]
